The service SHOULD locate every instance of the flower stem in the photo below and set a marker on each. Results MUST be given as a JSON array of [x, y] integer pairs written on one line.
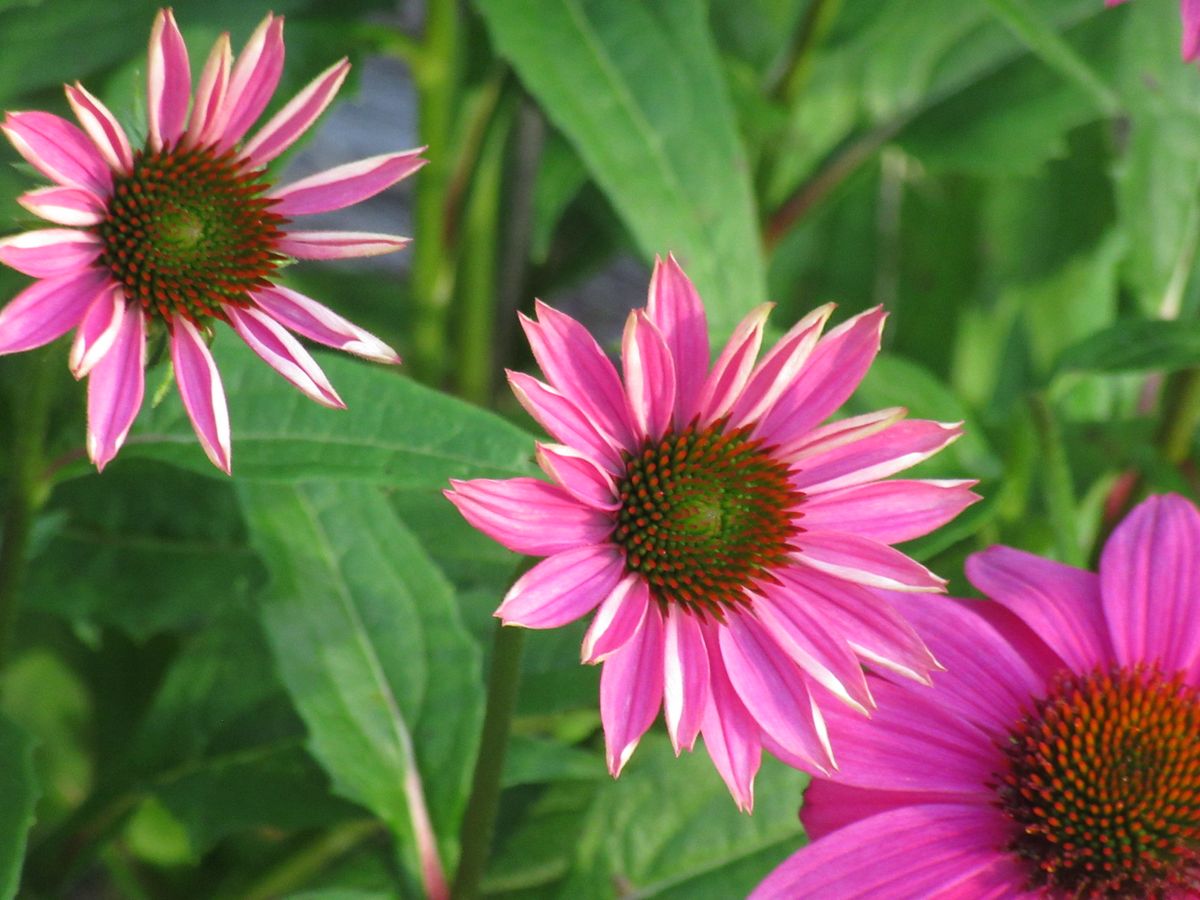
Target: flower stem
[[479, 821], [313, 858], [1181, 415], [1058, 492]]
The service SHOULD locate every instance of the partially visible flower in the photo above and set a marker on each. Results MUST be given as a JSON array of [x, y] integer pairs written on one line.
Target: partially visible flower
[[1057, 756], [728, 542], [184, 232], [1189, 11]]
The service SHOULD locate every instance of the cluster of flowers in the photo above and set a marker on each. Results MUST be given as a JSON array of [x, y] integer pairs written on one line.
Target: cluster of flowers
[[734, 546]]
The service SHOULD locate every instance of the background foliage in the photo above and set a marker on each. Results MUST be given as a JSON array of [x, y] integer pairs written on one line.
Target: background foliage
[[253, 687]]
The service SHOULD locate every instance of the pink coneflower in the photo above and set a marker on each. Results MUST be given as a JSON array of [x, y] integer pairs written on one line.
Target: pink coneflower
[[185, 231], [1058, 755], [729, 543], [1189, 10]]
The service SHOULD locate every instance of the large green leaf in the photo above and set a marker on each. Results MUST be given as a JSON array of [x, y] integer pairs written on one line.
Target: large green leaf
[[638, 90], [19, 790], [368, 642], [1136, 346]]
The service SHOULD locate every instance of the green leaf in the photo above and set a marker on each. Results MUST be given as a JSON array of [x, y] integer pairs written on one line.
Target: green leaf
[[20, 790], [369, 645], [1136, 346], [638, 90], [395, 431]]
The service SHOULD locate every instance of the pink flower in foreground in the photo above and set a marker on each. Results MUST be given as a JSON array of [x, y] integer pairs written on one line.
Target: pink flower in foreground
[[1059, 753], [185, 231], [728, 542], [1189, 10]]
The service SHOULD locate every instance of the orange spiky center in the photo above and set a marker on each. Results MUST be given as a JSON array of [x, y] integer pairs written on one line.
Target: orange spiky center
[[705, 515], [190, 232], [1104, 784]]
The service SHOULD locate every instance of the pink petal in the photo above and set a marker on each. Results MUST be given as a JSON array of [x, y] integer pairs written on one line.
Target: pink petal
[[168, 82], [283, 353], [321, 324], [529, 516], [210, 95], [685, 677], [50, 252], [631, 690], [1150, 583], [829, 805], [729, 374], [575, 365], [338, 244], [888, 511], [253, 80], [836, 366], [98, 330], [780, 367], [64, 205], [283, 128], [59, 150], [345, 185], [115, 389], [934, 851], [840, 432], [102, 127], [864, 561], [562, 588], [897, 447], [649, 376], [617, 619], [564, 420], [1060, 603], [48, 309], [201, 390], [1190, 44], [675, 308], [731, 735], [579, 476], [775, 692]]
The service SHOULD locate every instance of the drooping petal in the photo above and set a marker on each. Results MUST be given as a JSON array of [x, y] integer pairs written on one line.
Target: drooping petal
[[283, 353], [210, 94], [338, 244], [116, 386], [685, 677], [51, 252], [731, 736], [253, 80], [168, 82], [564, 420], [283, 128], [98, 330], [48, 309], [579, 475], [59, 150], [675, 308], [617, 619], [102, 127], [731, 371], [649, 376], [631, 690], [529, 516], [894, 449], [321, 324], [345, 185], [864, 561], [562, 588], [776, 371], [64, 205], [889, 511], [202, 392]]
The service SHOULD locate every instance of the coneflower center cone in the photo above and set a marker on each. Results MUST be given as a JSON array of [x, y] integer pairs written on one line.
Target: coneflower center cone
[[189, 231], [1104, 783], [706, 514]]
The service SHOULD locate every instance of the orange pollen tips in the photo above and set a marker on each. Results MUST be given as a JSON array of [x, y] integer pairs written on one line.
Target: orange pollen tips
[[1104, 785], [189, 232], [705, 515]]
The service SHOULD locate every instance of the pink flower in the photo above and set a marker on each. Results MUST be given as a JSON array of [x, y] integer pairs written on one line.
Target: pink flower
[[1058, 754], [728, 543], [1189, 10], [183, 232]]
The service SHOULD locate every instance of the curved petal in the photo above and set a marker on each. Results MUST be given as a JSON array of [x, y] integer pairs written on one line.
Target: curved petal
[[863, 561], [562, 588], [59, 150], [345, 185], [731, 736], [338, 244], [64, 205], [529, 516], [168, 82], [564, 420], [283, 128], [115, 389], [321, 324], [102, 127], [841, 431], [889, 511], [579, 475], [210, 94], [48, 309], [675, 308], [201, 390], [649, 376], [685, 677], [617, 619], [897, 447], [731, 371], [283, 353], [631, 690], [51, 252], [97, 330], [253, 80]]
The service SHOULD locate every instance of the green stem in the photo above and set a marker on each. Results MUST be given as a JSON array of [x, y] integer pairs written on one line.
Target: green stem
[[310, 860], [479, 821], [1058, 491], [818, 19], [1181, 416]]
